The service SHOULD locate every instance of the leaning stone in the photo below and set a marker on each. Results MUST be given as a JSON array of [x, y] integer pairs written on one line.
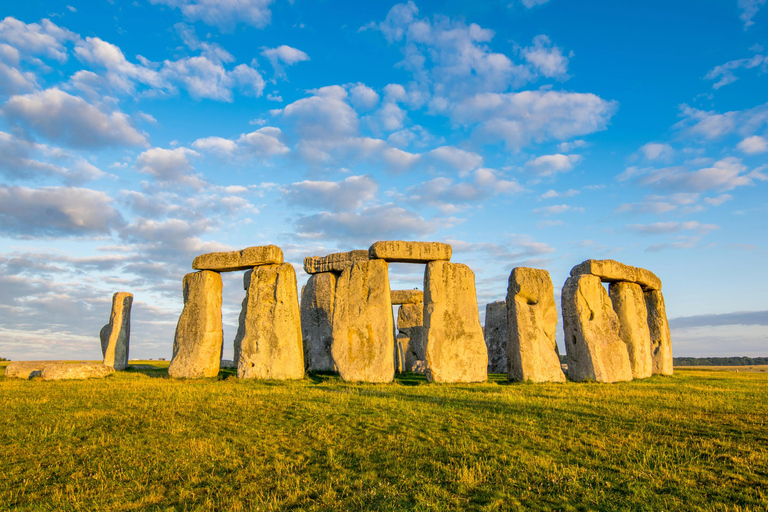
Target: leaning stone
[[336, 262], [116, 335], [532, 320], [629, 303], [362, 347], [271, 346], [595, 350], [317, 321], [410, 323], [612, 271], [495, 332], [239, 260], [410, 252], [198, 341], [661, 341], [26, 369], [77, 371], [455, 346], [407, 297]]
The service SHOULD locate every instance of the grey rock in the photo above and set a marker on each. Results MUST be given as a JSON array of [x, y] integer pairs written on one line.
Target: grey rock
[[495, 332], [629, 303], [317, 300]]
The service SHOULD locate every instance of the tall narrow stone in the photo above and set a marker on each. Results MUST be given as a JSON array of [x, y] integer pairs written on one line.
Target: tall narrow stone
[[317, 321], [455, 346], [532, 322], [595, 350], [661, 341], [496, 336], [199, 336], [629, 304], [116, 335], [410, 324], [241, 320], [271, 346], [362, 345]]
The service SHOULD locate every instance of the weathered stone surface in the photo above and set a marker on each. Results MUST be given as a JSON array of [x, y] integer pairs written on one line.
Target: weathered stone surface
[[198, 342], [336, 262], [78, 371], [399, 251], [612, 271], [595, 350], [317, 299], [495, 332], [658, 326], [116, 335], [532, 321], [455, 346], [407, 297], [239, 260], [629, 304], [26, 369], [362, 347], [410, 324], [271, 346]]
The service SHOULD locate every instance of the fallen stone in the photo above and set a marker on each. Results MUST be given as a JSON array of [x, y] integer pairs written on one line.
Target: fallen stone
[[76, 371], [410, 252], [407, 297], [612, 271], [595, 350], [495, 332], [629, 304], [362, 324], [658, 326], [116, 335], [455, 346], [271, 346], [26, 369], [532, 321], [317, 299], [336, 262], [410, 324], [198, 341], [239, 260]]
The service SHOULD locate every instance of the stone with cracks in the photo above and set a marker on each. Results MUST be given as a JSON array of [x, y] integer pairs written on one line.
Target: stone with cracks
[[629, 304], [362, 347], [410, 324], [239, 260], [198, 342], [455, 347], [336, 262], [612, 271], [26, 369], [116, 335], [317, 299], [77, 371], [595, 350], [407, 297], [661, 341], [399, 251], [495, 332], [271, 347], [532, 321]]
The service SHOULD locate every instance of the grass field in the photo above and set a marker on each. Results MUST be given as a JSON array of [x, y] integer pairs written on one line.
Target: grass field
[[139, 441]]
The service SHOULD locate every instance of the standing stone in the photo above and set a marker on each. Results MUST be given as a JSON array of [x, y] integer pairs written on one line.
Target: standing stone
[[455, 346], [241, 319], [495, 332], [199, 335], [629, 304], [661, 341], [410, 324], [595, 350], [317, 321], [362, 323], [407, 297], [271, 346], [116, 335], [532, 320]]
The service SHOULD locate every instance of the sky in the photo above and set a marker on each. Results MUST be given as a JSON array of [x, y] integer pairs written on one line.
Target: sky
[[137, 135]]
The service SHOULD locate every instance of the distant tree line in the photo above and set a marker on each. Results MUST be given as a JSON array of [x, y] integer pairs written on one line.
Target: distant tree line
[[4, 359], [719, 361]]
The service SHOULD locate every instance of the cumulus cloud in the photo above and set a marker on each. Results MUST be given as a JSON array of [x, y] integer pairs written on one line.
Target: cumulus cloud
[[711, 125], [348, 194], [398, 159], [363, 97], [546, 58], [224, 14], [753, 145], [659, 204], [549, 165], [15, 81], [323, 115], [450, 196], [283, 55], [725, 174], [36, 39], [657, 151], [264, 142], [169, 166], [459, 159]]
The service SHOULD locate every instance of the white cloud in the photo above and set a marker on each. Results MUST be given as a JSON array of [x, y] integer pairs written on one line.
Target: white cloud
[[44, 38], [450, 196], [15, 81], [224, 14], [215, 144], [671, 227], [202, 77], [710, 125], [551, 194], [399, 159], [725, 174], [657, 151], [283, 55], [264, 142], [748, 9], [725, 72], [348, 194], [324, 115], [459, 159], [250, 81], [533, 3], [753, 145], [363, 97], [169, 166], [548, 165], [659, 204], [546, 58], [558, 209]]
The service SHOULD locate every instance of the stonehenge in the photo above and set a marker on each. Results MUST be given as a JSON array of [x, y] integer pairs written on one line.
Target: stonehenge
[[317, 321], [661, 342], [495, 333], [629, 303], [115, 336]]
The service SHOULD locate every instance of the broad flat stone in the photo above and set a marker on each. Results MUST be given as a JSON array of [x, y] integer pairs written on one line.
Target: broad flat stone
[[76, 371], [612, 271], [26, 369], [455, 346], [495, 332], [595, 350], [629, 304], [661, 341], [239, 260], [116, 335], [271, 346], [410, 324], [362, 345], [197, 344], [410, 252], [336, 262], [647, 279], [407, 297], [532, 321], [317, 299]]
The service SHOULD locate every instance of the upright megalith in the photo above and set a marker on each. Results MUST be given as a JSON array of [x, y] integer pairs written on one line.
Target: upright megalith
[[455, 346], [317, 299], [495, 333], [116, 335], [532, 322], [595, 350], [241, 320], [410, 336], [199, 335], [243, 259], [271, 346], [629, 304], [661, 342], [335, 262], [362, 346], [399, 251]]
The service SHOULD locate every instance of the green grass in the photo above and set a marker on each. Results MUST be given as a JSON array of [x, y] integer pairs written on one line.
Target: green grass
[[139, 441]]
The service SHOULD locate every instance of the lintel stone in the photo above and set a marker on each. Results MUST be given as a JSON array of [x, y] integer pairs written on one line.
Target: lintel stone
[[611, 271], [244, 259], [407, 297], [335, 262], [399, 251]]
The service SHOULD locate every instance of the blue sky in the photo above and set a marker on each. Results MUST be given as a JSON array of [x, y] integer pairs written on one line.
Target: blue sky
[[137, 135]]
